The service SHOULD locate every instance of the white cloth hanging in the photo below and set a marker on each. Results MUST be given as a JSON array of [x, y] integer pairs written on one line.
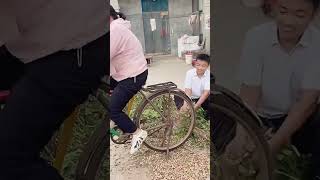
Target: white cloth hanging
[[153, 24]]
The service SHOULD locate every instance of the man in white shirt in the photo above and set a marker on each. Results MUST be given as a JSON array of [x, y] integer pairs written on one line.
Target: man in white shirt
[[52, 55], [279, 72], [197, 84]]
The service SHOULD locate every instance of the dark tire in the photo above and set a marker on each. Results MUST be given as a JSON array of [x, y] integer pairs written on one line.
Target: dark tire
[[96, 153], [228, 112], [145, 103], [256, 134]]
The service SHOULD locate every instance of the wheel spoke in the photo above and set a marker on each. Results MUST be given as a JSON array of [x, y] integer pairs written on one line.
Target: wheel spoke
[[169, 133], [164, 136], [157, 128]]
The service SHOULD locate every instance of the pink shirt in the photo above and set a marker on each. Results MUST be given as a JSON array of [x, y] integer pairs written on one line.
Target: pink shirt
[[126, 53]]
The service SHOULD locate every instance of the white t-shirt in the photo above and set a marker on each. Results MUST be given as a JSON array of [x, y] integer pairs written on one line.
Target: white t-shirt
[[37, 28], [281, 75], [197, 84]]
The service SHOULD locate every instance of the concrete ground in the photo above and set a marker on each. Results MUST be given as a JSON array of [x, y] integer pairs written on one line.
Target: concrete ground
[[168, 68]]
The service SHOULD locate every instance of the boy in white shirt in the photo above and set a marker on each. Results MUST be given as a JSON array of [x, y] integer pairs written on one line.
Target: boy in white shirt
[[197, 84]]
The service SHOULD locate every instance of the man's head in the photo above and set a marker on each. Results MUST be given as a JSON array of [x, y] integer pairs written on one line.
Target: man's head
[[202, 63], [294, 16]]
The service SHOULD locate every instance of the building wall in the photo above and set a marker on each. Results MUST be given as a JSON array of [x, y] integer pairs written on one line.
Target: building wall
[[115, 4], [179, 12], [133, 11], [206, 32]]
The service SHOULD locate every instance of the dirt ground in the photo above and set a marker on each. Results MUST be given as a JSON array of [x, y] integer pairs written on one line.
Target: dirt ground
[[185, 163]]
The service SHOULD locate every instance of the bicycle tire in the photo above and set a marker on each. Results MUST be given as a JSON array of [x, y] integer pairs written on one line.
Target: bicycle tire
[[96, 148], [145, 102], [93, 154], [254, 131]]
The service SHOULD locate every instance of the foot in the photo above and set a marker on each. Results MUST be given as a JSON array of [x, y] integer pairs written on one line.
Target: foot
[[137, 140]]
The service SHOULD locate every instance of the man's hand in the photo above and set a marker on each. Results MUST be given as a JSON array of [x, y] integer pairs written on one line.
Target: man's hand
[[276, 143], [297, 116]]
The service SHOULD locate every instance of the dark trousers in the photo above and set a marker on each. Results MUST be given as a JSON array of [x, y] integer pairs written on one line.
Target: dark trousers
[[305, 139], [123, 91], [43, 94]]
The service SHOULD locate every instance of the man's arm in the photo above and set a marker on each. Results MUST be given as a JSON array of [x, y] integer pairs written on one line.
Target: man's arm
[[202, 99], [250, 70], [250, 95], [298, 114]]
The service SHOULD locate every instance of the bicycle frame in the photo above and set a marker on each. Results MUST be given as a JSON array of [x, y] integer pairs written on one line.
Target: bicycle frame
[[64, 140]]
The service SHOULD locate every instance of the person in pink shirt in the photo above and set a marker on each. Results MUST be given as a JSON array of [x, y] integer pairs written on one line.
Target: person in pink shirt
[[128, 73]]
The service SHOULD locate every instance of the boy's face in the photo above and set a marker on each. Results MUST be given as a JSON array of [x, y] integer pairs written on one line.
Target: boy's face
[[201, 66], [293, 17]]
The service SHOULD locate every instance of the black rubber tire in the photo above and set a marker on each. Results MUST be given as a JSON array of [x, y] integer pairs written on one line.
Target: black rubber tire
[[152, 96], [98, 145], [93, 154], [236, 112], [255, 133]]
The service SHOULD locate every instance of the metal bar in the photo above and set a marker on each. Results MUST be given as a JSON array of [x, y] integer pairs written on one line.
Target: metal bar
[[130, 104], [64, 140], [159, 127]]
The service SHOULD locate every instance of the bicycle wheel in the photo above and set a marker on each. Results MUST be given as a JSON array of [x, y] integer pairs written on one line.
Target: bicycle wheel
[[94, 160], [93, 163], [162, 116], [230, 120]]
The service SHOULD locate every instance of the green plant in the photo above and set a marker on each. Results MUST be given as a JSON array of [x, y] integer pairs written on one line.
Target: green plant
[[292, 165], [91, 114]]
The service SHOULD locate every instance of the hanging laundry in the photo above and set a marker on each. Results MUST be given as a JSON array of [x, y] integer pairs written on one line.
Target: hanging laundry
[[194, 23], [153, 24], [193, 19]]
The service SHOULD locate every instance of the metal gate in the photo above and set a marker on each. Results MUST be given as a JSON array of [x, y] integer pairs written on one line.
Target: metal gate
[[156, 26]]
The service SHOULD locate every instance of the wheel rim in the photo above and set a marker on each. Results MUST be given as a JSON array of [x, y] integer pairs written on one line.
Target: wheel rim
[[167, 127], [247, 165]]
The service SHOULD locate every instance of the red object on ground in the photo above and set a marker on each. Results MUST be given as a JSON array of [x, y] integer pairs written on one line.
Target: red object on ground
[[4, 95]]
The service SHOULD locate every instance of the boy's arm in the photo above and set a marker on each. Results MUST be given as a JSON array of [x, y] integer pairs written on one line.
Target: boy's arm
[[202, 99], [205, 94], [188, 85]]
